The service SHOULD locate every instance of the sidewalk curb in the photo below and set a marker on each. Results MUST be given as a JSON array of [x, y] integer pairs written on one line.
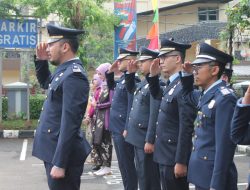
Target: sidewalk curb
[[11, 134]]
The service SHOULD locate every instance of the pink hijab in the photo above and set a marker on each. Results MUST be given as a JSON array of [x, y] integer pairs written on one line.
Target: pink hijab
[[103, 68]]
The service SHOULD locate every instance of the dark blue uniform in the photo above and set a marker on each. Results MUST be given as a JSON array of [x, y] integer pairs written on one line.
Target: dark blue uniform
[[211, 163], [240, 129], [59, 140], [173, 132], [142, 123], [119, 110]]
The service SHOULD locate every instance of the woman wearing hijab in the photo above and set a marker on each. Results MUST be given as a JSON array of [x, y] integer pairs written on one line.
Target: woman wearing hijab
[[91, 118], [101, 134]]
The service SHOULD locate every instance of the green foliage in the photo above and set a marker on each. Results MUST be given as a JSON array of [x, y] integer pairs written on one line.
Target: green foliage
[[36, 103], [98, 23], [7, 9], [238, 19], [4, 107]]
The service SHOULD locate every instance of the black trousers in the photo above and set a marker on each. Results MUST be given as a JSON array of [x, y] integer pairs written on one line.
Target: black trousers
[[168, 180], [147, 170], [71, 181]]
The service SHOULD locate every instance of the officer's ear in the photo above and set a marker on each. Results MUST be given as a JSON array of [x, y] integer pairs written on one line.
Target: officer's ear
[[215, 69], [66, 47]]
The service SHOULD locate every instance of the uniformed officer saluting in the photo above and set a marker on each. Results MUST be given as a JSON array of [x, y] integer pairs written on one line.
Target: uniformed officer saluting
[[175, 119], [120, 108], [211, 163], [240, 129], [142, 119], [59, 141]]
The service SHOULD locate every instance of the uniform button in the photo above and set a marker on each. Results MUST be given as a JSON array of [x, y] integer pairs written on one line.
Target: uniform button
[[111, 108], [159, 110], [204, 115], [112, 99], [139, 124], [195, 136], [132, 108], [205, 158], [169, 140], [155, 136], [46, 97], [162, 98], [50, 88], [48, 130], [136, 100], [120, 115], [42, 108], [193, 148], [129, 118], [157, 123]]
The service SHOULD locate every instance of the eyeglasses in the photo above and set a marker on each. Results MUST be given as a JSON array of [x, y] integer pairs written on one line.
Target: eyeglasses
[[163, 58], [196, 68]]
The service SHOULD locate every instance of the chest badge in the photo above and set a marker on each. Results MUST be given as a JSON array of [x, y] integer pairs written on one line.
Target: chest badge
[[211, 104], [171, 91]]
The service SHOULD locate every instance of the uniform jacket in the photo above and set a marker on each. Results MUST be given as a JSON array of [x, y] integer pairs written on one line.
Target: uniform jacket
[[143, 114], [211, 163], [240, 130], [121, 104], [59, 139], [174, 124]]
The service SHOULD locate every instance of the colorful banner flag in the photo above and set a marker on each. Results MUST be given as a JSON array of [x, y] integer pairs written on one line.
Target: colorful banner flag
[[153, 34], [125, 32]]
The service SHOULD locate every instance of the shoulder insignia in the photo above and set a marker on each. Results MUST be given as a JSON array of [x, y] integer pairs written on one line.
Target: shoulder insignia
[[76, 69], [225, 91]]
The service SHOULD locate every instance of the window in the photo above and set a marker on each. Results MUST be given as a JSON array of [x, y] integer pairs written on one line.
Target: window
[[208, 14]]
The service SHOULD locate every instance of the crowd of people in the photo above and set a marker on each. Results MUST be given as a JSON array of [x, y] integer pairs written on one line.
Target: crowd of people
[[179, 123]]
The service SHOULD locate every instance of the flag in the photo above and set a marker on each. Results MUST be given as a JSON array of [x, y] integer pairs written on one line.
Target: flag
[[153, 34]]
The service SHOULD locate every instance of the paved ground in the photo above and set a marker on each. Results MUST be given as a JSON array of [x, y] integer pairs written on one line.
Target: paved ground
[[28, 173]]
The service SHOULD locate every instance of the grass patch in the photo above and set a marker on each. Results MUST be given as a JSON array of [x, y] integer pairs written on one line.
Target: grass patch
[[18, 124]]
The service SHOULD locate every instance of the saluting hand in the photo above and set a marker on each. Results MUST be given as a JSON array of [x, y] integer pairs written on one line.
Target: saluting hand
[[180, 170], [114, 67], [41, 53], [155, 67], [57, 173], [246, 98], [132, 66], [187, 67], [148, 148]]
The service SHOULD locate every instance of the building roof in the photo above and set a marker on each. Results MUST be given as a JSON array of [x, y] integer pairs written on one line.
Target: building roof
[[183, 5]]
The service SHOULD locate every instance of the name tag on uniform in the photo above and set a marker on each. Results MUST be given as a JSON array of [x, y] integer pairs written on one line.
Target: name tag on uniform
[[171, 91], [211, 104]]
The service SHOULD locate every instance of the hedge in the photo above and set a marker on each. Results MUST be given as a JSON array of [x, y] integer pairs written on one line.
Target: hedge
[[36, 103]]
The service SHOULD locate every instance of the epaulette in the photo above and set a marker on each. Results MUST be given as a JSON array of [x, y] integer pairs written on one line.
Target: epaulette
[[76, 68], [225, 91]]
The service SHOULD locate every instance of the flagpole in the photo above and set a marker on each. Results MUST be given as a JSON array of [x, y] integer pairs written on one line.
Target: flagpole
[[158, 22]]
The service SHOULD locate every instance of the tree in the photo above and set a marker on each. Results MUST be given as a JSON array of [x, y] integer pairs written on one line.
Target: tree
[[238, 21], [81, 14]]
